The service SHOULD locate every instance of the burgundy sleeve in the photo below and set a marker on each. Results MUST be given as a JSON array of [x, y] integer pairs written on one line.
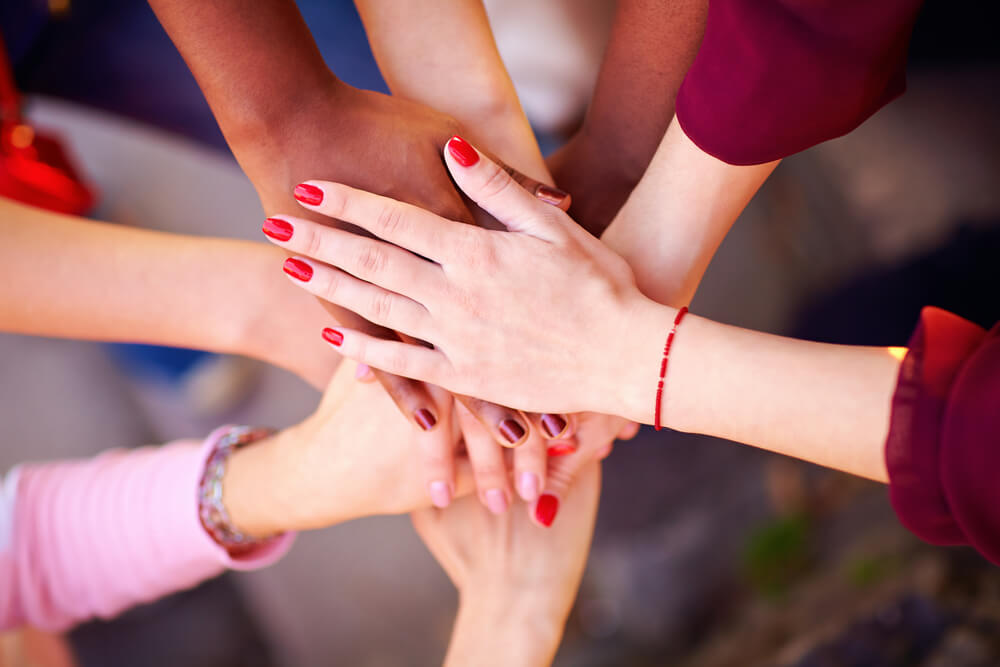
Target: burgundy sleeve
[[774, 77], [943, 450]]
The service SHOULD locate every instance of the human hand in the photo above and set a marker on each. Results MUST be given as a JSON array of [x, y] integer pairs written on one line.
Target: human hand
[[542, 317], [516, 582], [396, 153], [353, 457]]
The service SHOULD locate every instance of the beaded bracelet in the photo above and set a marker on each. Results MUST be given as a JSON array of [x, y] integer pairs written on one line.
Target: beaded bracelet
[[211, 510], [663, 366]]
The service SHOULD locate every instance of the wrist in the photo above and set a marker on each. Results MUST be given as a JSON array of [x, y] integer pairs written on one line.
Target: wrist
[[505, 629], [641, 348]]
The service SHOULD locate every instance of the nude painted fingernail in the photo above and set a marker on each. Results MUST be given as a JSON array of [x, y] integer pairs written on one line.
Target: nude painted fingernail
[[545, 510], [554, 425], [550, 195], [308, 194], [527, 486], [279, 230], [424, 417], [462, 151], [440, 493], [561, 449], [496, 501], [511, 431], [333, 337]]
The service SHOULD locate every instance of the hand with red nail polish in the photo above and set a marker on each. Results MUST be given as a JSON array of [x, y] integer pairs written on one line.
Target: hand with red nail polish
[[516, 580]]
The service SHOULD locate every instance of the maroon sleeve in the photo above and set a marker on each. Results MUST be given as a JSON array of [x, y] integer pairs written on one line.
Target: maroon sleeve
[[774, 77], [943, 450]]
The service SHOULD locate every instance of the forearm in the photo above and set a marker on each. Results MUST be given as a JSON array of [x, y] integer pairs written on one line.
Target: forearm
[[443, 54], [253, 63], [495, 630], [828, 404], [675, 219], [69, 277], [651, 47]]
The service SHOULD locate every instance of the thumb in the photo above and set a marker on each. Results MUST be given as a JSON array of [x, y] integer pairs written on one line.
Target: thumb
[[496, 192], [559, 478]]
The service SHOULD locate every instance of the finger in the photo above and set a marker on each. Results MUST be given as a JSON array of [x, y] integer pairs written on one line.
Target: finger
[[561, 472], [362, 373], [508, 427], [389, 356], [529, 468], [553, 426], [371, 302], [405, 225], [370, 259], [628, 431], [437, 458], [496, 192], [487, 459]]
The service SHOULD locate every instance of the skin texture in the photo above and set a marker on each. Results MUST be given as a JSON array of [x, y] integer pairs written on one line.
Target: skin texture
[[823, 403], [515, 589], [287, 117], [651, 47], [113, 283]]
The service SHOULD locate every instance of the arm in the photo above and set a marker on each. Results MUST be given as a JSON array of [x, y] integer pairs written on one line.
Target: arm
[[416, 44], [651, 47], [74, 278]]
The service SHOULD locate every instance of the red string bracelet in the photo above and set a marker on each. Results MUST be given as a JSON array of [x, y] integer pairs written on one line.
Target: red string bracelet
[[663, 366]]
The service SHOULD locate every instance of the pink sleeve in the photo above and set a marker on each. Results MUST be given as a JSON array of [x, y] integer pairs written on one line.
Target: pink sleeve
[[91, 538]]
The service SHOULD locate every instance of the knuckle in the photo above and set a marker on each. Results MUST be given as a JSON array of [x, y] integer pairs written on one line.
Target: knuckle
[[496, 184], [390, 220], [372, 259], [489, 472], [381, 306], [395, 362], [313, 242]]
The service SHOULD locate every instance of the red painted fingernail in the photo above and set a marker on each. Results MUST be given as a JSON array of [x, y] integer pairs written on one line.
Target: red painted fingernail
[[554, 425], [545, 510], [511, 431], [550, 195], [279, 230], [298, 269], [424, 417], [462, 151], [308, 194], [561, 449], [333, 337]]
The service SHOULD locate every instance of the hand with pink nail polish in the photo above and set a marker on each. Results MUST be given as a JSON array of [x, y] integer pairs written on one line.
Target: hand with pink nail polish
[[516, 580], [354, 456]]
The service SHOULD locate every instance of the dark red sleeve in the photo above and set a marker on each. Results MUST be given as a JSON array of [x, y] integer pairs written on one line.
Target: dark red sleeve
[[774, 77], [943, 450]]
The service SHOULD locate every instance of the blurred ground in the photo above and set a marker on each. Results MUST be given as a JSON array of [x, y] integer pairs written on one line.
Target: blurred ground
[[706, 553]]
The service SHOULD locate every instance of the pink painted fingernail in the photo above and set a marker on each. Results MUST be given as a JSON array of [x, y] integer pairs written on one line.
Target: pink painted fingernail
[[360, 371], [527, 486], [462, 151], [333, 337], [277, 229], [308, 194], [496, 501], [440, 493], [545, 510], [561, 449]]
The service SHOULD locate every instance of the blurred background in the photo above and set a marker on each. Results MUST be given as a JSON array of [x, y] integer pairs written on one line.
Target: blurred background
[[706, 553]]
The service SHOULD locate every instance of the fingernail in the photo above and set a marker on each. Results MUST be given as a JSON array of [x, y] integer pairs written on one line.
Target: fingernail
[[554, 425], [562, 449], [511, 431], [496, 501], [440, 494], [360, 371], [462, 151], [333, 337], [545, 510], [527, 486], [298, 269], [308, 194], [279, 230], [424, 417], [550, 195]]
